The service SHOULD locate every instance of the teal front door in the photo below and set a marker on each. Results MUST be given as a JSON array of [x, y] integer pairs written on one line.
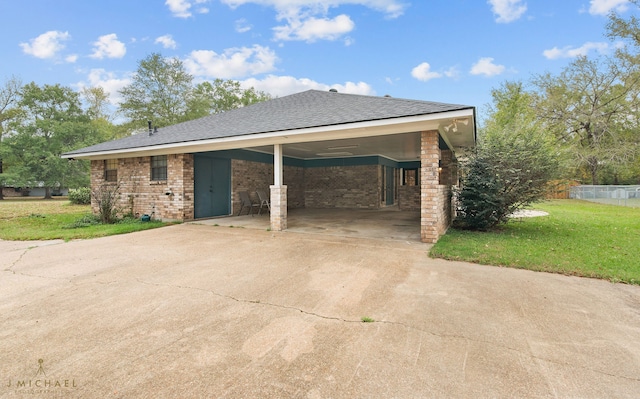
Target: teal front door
[[212, 186]]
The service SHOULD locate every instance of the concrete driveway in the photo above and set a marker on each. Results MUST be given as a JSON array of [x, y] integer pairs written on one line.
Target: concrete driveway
[[193, 311]]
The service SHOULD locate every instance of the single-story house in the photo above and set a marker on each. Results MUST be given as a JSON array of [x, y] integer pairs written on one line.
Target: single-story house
[[314, 149]]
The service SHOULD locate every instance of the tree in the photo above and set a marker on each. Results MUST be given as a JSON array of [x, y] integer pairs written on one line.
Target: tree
[[163, 92], [512, 164], [9, 97], [158, 92], [222, 95], [591, 108], [51, 122]]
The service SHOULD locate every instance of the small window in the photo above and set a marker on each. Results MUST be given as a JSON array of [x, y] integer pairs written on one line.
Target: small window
[[410, 177], [159, 167], [111, 170]]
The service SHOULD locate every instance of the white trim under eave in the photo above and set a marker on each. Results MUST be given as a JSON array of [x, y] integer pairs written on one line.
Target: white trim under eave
[[336, 132]]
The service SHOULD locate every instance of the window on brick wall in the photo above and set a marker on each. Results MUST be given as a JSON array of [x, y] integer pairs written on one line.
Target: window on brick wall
[[410, 177], [111, 170], [159, 167]]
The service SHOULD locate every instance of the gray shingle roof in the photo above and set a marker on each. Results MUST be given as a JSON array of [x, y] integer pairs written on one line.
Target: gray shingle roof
[[312, 108]]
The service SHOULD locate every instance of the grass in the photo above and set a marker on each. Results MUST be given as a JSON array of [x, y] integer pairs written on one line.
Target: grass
[[366, 319], [577, 238], [38, 219]]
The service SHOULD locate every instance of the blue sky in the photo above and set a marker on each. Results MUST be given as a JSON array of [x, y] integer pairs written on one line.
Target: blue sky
[[452, 51]]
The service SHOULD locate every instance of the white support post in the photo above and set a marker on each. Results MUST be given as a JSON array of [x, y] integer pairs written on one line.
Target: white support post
[[277, 165], [278, 193]]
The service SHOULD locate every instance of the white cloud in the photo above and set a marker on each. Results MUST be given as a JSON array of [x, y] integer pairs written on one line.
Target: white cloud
[[568, 52], [486, 67], [392, 8], [47, 45], [424, 73], [166, 41], [312, 29], [242, 26], [111, 83], [233, 63], [507, 10], [452, 72], [71, 58], [285, 85], [182, 8], [308, 20], [603, 7], [108, 46]]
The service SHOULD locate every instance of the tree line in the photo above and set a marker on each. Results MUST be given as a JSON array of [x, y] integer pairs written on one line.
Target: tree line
[[584, 120], [40, 122], [581, 124]]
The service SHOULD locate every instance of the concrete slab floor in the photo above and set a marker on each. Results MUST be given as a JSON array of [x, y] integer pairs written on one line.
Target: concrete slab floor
[[386, 223], [193, 311]]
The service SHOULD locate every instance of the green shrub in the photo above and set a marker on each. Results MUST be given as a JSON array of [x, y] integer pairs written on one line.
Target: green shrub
[[80, 196], [106, 197], [85, 221]]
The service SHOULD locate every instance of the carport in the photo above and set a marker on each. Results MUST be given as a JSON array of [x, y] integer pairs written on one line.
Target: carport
[[311, 150], [387, 223]]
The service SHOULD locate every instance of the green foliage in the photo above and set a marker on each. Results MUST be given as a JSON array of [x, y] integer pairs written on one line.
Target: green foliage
[[366, 319], [158, 92], [50, 122], [80, 196], [591, 109], [222, 95], [511, 166], [577, 238], [163, 92], [84, 221], [480, 205], [57, 219], [106, 197]]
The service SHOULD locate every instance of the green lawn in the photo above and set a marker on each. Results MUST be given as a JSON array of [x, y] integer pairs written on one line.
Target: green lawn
[[577, 238], [29, 219]]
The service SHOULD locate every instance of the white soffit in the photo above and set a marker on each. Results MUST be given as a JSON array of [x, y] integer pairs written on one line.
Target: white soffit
[[323, 133]]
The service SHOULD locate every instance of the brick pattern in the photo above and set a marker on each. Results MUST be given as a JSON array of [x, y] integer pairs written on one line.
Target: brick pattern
[[435, 210], [138, 195], [323, 187], [343, 187], [278, 208], [409, 198], [251, 176]]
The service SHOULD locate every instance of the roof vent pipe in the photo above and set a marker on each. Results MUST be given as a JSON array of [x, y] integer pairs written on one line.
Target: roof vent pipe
[[150, 129]]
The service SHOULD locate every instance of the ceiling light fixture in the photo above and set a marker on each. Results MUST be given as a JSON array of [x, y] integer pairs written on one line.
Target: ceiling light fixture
[[344, 147], [334, 154]]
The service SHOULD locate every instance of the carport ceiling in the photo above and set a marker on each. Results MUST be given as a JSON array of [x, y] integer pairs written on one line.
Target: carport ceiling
[[399, 147]]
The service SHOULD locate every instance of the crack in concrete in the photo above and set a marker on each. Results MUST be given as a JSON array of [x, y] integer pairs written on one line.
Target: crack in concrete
[[10, 268], [389, 322]]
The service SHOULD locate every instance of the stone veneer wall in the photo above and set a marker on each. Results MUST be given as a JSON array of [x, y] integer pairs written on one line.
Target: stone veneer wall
[[343, 187], [139, 196], [409, 198]]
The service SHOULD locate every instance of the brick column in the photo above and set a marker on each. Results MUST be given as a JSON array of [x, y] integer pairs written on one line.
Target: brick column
[[278, 208], [446, 164], [431, 200]]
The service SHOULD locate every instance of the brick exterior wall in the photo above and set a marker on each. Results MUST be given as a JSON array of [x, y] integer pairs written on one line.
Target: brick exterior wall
[[251, 176], [435, 193], [409, 198], [316, 187], [138, 195], [343, 187]]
